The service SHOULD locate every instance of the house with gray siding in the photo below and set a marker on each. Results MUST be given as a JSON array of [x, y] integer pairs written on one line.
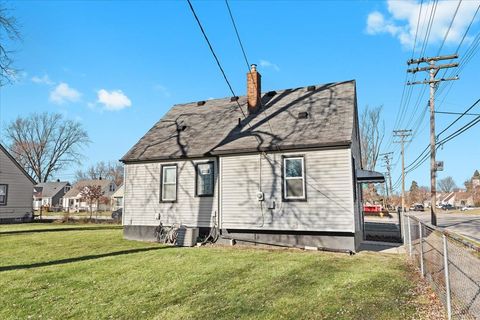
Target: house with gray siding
[[16, 189], [279, 168], [50, 194]]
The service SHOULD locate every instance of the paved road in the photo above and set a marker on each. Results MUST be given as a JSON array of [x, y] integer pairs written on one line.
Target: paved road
[[463, 223]]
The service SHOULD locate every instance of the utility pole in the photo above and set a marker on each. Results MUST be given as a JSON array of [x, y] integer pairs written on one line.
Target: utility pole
[[403, 135], [433, 69], [387, 157]]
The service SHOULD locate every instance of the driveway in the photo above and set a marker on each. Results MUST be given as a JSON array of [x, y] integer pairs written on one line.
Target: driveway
[[465, 224]]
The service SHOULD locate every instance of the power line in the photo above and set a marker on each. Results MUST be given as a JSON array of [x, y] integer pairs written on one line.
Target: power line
[[215, 56], [449, 27], [248, 65], [238, 35]]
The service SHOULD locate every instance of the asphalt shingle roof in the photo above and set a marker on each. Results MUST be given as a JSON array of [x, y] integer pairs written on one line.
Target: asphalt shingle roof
[[192, 130], [50, 189], [78, 187]]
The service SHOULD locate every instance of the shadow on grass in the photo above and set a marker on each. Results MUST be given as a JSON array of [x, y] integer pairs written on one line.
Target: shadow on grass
[[61, 229], [77, 259]]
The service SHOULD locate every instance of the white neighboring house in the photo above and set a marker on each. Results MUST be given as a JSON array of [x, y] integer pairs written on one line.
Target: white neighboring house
[[117, 198], [73, 201], [50, 194], [16, 188]]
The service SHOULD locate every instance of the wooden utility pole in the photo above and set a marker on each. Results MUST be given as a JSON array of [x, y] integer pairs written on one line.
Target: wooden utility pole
[[387, 157], [403, 135], [433, 69]]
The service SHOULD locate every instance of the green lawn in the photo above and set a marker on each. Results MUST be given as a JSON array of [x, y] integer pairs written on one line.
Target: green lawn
[[55, 271]]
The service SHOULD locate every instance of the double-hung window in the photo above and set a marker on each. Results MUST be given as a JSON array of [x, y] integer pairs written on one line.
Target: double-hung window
[[3, 194], [168, 191], [205, 179], [294, 178]]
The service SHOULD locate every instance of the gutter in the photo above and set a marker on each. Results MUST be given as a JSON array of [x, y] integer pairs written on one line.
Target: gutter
[[233, 152]]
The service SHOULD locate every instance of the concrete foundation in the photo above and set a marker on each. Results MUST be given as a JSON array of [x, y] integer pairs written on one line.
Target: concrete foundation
[[335, 241], [140, 233], [341, 241]]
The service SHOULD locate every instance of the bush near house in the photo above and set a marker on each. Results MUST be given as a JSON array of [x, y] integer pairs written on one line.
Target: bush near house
[[90, 272]]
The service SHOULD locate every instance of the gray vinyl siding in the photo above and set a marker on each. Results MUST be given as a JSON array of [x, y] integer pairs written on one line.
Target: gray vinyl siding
[[20, 190], [142, 204], [329, 205]]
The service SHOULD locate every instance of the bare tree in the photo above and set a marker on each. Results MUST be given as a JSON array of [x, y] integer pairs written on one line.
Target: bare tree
[[446, 184], [9, 33], [92, 194], [106, 170], [46, 143], [372, 132]]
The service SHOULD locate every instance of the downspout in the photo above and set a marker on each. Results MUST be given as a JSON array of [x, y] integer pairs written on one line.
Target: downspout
[[219, 191], [124, 192]]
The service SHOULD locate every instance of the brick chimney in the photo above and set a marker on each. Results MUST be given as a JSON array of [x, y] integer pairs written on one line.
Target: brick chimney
[[254, 89]]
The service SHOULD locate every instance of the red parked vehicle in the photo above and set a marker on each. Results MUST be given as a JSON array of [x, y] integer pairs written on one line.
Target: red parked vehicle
[[374, 209]]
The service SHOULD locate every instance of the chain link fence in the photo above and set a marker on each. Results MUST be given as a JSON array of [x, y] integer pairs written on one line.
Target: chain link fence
[[450, 264]]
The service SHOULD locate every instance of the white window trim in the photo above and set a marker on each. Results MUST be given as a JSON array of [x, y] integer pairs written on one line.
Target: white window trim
[[169, 183], [4, 203], [285, 178], [197, 179]]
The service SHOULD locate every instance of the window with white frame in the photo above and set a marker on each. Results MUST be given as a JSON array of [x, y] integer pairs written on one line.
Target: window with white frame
[[169, 183], [294, 178], [205, 179], [3, 194]]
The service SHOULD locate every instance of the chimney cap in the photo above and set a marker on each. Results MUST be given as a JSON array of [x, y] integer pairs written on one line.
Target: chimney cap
[[253, 67]]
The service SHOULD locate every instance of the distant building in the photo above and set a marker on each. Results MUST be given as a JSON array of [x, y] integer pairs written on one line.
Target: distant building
[[50, 194], [73, 200], [117, 198]]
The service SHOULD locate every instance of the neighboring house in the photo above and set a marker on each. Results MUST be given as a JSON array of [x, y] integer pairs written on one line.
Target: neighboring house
[[117, 198], [449, 198], [462, 199], [16, 188], [73, 200], [50, 194], [286, 174]]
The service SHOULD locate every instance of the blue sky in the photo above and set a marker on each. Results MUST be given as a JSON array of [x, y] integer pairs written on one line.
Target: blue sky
[[117, 67]]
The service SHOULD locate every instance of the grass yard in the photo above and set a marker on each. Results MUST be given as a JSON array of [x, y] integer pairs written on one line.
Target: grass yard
[[55, 271], [473, 212]]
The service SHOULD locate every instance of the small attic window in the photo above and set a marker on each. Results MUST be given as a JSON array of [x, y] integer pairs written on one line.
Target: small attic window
[[311, 88], [235, 98], [303, 115], [200, 103], [271, 93]]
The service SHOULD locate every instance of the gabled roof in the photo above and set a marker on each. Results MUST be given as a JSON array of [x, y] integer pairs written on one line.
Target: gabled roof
[[119, 192], [78, 187], [218, 126], [50, 189], [16, 163]]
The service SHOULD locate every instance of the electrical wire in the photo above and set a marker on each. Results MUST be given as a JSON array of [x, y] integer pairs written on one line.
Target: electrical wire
[[262, 107], [214, 55]]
